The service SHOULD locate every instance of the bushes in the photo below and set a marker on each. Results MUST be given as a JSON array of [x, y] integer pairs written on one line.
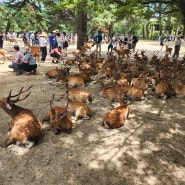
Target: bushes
[[154, 36]]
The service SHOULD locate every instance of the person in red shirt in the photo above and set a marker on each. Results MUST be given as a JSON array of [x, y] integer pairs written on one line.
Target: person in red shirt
[[56, 53]]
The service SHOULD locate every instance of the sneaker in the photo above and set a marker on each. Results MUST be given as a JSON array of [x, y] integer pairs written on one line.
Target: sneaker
[[18, 73], [27, 73], [34, 71], [57, 62], [53, 61]]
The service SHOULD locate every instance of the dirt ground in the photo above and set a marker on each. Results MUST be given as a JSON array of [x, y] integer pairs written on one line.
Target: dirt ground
[[148, 150]]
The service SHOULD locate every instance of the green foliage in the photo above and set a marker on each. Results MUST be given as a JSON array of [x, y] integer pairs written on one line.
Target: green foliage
[[154, 36]]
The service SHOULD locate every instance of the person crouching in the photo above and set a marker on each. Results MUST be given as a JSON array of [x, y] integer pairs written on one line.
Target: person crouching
[[56, 53], [29, 64]]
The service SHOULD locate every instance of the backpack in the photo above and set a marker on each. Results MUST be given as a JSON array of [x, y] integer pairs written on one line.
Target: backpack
[[136, 39], [55, 43]]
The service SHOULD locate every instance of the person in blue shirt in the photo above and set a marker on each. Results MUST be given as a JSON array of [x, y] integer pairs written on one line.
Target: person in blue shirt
[[29, 65], [98, 40], [51, 42]]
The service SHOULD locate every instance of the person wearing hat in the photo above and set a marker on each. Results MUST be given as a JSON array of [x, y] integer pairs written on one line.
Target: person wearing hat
[[29, 65], [17, 61], [43, 47], [56, 53]]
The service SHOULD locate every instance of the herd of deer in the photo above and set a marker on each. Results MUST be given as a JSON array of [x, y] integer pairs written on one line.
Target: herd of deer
[[132, 79]]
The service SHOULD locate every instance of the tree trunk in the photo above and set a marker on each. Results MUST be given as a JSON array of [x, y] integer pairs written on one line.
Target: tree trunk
[[81, 24], [111, 27], [147, 30], [8, 26], [160, 25], [143, 30]]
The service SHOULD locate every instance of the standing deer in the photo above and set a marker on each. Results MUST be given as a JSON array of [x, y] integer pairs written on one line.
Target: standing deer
[[25, 128]]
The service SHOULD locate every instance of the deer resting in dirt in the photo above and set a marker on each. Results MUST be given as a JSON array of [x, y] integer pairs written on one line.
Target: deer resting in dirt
[[81, 110], [53, 73], [164, 90], [116, 118], [59, 119], [25, 128], [78, 94]]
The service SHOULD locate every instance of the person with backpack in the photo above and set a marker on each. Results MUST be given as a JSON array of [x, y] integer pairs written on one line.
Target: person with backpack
[[134, 42], [111, 41], [1, 39], [51, 41], [98, 39]]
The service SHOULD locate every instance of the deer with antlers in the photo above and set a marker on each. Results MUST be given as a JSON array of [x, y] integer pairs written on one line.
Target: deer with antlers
[[25, 128], [59, 119]]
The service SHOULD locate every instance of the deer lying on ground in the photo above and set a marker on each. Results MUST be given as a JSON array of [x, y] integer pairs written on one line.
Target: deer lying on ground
[[122, 52], [164, 90], [81, 110], [140, 83], [72, 81], [116, 118], [25, 128], [53, 73], [77, 94], [179, 88], [59, 118]]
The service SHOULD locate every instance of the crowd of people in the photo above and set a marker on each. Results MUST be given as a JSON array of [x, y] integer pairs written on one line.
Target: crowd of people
[[58, 43], [26, 63]]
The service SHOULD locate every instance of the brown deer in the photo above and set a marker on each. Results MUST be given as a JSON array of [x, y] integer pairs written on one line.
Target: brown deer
[[59, 118], [116, 118], [164, 90], [81, 110], [35, 50], [78, 94], [72, 81], [25, 128], [11, 40], [168, 50], [3, 54], [53, 73], [140, 83]]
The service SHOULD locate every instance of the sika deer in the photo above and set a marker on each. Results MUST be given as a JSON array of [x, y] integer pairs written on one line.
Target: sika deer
[[168, 50], [25, 128], [80, 95], [53, 73], [3, 54], [116, 118], [81, 110], [59, 118], [164, 90]]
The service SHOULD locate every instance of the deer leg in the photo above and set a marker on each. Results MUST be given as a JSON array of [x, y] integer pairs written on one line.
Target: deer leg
[[8, 142]]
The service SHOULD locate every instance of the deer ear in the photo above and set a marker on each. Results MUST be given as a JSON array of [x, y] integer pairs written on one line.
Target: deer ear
[[8, 106]]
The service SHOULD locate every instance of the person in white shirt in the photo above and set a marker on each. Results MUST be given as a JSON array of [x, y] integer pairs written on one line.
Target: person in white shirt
[[43, 47]]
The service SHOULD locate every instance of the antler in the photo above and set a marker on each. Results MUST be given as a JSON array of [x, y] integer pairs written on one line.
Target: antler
[[20, 92], [51, 101]]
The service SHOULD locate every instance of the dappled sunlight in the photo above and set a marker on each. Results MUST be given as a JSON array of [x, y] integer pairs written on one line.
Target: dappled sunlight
[[17, 150]]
